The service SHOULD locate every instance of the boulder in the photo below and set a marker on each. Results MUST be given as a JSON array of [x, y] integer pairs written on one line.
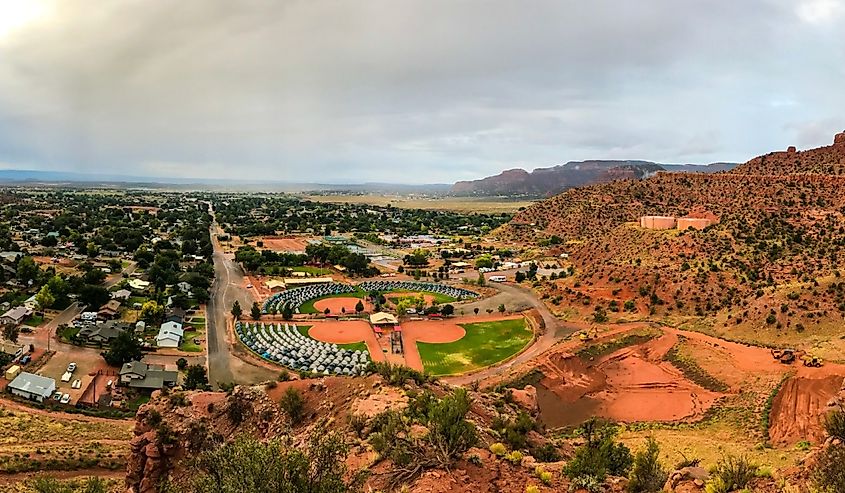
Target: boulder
[[526, 398], [688, 479]]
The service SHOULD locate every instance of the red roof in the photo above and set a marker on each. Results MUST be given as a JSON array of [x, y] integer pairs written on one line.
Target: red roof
[[397, 328]]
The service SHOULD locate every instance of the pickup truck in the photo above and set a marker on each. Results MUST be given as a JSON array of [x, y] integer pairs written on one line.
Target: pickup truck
[[67, 376]]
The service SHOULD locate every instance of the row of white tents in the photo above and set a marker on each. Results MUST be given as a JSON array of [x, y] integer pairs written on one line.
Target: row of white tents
[[284, 344]]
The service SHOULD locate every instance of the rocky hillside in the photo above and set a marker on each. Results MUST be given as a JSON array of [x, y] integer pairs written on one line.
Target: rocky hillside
[[781, 219], [548, 181]]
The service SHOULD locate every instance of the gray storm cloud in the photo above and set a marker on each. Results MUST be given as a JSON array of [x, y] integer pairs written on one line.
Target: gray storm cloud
[[413, 91]]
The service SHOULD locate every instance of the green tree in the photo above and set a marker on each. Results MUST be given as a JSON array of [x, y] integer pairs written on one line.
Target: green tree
[[447, 310], [11, 332], [481, 280], [287, 312], [195, 377], [293, 404], [359, 307], [152, 312], [255, 312], [502, 308], [647, 473], [123, 349], [237, 311], [274, 466], [27, 270], [45, 298]]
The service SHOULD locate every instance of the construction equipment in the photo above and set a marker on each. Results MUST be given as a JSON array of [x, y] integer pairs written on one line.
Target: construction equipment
[[785, 356], [812, 361], [587, 335]]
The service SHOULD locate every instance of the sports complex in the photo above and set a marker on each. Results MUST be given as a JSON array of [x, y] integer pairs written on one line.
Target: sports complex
[[337, 328]]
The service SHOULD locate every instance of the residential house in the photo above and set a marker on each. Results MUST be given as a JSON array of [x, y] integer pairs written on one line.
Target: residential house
[[176, 315], [185, 287], [15, 316], [33, 387], [109, 311], [170, 335], [102, 333], [140, 375], [10, 349], [138, 284], [121, 294]]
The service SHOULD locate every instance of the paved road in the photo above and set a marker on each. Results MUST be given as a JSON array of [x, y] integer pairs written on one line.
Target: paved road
[[223, 367]]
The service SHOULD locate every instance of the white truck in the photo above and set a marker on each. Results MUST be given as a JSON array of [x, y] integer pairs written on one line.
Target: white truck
[[498, 278]]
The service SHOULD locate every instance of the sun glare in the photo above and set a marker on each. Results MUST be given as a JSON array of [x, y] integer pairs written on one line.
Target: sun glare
[[17, 14]]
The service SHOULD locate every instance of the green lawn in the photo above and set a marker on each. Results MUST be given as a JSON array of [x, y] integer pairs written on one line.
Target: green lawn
[[438, 297], [355, 346], [485, 344], [316, 271], [33, 321], [65, 333], [308, 306], [188, 342]]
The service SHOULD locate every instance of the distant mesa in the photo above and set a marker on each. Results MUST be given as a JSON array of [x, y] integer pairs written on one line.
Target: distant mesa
[[549, 181]]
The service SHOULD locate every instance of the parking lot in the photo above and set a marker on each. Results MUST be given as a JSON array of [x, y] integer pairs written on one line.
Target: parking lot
[[88, 362]]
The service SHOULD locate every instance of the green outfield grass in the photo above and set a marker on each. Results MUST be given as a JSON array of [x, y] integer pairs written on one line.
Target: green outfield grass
[[438, 297], [485, 344], [308, 306]]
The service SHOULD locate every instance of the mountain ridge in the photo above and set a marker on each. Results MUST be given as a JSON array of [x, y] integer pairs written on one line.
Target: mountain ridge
[[549, 181]]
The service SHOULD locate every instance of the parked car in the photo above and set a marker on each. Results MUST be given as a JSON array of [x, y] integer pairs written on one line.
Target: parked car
[[71, 367], [76, 384], [26, 359], [57, 396], [65, 399]]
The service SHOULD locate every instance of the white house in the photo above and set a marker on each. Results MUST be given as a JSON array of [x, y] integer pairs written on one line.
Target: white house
[[170, 334], [121, 294], [15, 316], [138, 284], [185, 287], [33, 387]]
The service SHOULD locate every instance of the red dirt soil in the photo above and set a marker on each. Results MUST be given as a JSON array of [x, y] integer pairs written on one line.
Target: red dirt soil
[[346, 332], [285, 244], [798, 409], [338, 305], [632, 384]]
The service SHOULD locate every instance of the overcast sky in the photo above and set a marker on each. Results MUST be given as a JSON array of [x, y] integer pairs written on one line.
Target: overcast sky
[[412, 91]]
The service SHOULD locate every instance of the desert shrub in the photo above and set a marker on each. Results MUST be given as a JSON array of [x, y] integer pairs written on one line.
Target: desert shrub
[[586, 482], [449, 436], [284, 376], [276, 466], [515, 457], [498, 449], [730, 474], [647, 473], [293, 404], [46, 484], [546, 453], [237, 410], [599, 456], [515, 432], [834, 423], [398, 374], [532, 489], [829, 472]]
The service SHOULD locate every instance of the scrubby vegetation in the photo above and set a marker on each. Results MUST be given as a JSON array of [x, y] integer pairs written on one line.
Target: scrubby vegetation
[[601, 455]]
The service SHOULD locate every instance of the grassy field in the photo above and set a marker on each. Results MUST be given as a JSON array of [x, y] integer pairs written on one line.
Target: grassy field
[[188, 342], [491, 205], [438, 297], [485, 343], [308, 306], [309, 269], [33, 320]]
